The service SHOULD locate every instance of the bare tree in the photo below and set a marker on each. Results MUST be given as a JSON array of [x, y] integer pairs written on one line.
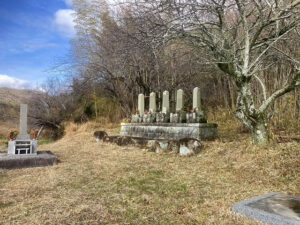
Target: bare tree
[[51, 107], [118, 54], [241, 38], [144, 46]]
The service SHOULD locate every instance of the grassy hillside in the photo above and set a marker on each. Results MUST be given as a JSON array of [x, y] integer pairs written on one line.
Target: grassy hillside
[[10, 100], [100, 183], [9, 108], [14, 96]]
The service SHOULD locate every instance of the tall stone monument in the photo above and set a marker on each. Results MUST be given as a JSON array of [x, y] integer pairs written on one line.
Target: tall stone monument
[[196, 99], [23, 135], [141, 104], [179, 100], [166, 103], [22, 152], [23, 144], [152, 104]]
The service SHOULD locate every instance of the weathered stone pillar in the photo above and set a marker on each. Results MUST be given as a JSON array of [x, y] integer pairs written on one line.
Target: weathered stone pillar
[[23, 135], [166, 102], [179, 100], [152, 102], [196, 99], [141, 104]]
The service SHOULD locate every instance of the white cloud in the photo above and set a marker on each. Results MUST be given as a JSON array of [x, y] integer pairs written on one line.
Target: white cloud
[[64, 21], [12, 82]]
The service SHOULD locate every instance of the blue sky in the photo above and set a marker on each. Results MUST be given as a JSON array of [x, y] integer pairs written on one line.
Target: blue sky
[[34, 36]]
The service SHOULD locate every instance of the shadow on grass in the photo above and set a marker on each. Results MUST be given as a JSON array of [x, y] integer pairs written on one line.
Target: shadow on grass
[[44, 141], [5, 204]]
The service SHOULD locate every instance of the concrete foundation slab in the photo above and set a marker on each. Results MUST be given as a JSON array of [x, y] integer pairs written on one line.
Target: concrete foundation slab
[[272, 208], [170, 131], [42, 158]]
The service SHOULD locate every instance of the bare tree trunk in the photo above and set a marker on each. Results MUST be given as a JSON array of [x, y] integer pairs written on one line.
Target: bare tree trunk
[[260, 133], [246, 113]]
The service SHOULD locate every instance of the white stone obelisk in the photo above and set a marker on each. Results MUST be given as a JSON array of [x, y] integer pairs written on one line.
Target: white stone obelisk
[[152, 103], [196, 99], [166, 102], [141, 104], [179, 100], [23, 135]]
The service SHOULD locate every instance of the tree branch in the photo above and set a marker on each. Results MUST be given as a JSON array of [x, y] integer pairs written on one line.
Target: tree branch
[[295, 83], [262, 86]]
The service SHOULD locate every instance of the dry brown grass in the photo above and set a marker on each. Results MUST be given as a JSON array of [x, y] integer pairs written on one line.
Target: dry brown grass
[[99, 183]]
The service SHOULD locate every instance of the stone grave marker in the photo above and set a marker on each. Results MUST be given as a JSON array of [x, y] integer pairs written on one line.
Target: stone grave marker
[[22, 144], [23, 135], [22, 152], [141, 104], [166, 103], [152, 104], [179, 100], [196, 99]]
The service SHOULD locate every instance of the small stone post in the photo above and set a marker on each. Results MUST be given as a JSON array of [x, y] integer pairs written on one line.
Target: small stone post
[[141, 104], [179, 100], [152, 104], [196, 99], [23, 135], [166, 103]]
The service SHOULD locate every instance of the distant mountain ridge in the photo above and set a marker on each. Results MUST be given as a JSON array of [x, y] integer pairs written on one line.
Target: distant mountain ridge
[[15, 96], [10, 99]]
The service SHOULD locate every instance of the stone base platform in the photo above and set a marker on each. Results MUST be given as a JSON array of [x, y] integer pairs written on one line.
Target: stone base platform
[[272, 208], [170, 131], [42, 158]]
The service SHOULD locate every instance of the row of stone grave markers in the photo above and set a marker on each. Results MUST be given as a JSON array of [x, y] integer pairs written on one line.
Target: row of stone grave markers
[[180, 116]]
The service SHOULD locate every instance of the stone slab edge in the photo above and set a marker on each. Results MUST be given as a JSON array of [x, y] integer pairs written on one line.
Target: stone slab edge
[[260, 215], [172, 124], [42, 158]]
